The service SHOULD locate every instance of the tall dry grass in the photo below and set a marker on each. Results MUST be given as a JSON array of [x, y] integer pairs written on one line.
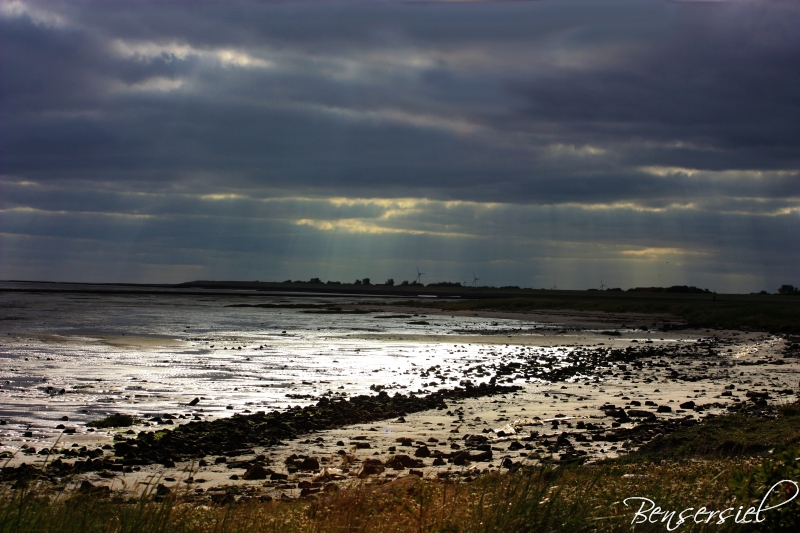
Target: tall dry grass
[[544, 499]]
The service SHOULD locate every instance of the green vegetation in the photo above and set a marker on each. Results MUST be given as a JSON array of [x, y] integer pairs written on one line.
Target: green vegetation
[[113, 421], [766, 313], [725, 436]]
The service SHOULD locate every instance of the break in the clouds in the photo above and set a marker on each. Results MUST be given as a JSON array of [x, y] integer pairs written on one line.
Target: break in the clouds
[[533, 143]]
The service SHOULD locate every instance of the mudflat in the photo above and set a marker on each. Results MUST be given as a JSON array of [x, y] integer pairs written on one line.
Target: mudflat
[[513, 389]]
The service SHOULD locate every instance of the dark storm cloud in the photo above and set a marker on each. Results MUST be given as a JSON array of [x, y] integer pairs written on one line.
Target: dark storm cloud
[[634, 125], [494, 89]]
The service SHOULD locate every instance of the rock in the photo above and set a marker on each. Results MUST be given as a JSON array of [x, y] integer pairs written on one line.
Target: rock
[[639, 413], [194, 402], [616, 413], [687, 405], [664, 409], [439, 462], [507, 463], [309, 463], [162, 490], [401, 462], [186, 441], [461, 458], [474, 440], [485, 455], [278, 477], [371, 467], [422, 451], [256, 472]]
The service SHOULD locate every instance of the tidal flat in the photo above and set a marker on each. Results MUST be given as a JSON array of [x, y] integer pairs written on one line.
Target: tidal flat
[[247, 396]]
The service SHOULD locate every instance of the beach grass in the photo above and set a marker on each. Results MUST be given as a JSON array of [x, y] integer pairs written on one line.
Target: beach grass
[[542, 498], [539, 499], [727, 435]]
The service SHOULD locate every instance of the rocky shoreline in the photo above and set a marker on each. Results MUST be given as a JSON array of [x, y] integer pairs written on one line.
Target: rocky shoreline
[[590, 404]]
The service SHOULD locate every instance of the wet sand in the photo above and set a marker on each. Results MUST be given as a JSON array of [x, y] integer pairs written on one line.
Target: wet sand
[[578, 418]]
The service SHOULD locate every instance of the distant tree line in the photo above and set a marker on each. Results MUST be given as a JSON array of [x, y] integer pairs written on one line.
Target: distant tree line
[[785, 289], [684, 289], [788, 290]]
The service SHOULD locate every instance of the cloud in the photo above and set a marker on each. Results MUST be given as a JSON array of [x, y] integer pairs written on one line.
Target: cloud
[[635, 125]]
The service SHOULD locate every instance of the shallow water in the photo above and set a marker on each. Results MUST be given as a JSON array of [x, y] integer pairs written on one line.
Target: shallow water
[[150, 354]]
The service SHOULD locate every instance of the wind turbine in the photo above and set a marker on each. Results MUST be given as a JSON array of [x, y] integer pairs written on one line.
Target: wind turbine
[[475, 280], [553, 287], [419, 275], [601, 285]]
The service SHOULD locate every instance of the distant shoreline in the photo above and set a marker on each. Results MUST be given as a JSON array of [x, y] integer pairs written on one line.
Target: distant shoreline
[[257, 288]]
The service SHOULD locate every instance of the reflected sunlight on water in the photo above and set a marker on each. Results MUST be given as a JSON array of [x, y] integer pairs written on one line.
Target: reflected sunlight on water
[[87, 355]]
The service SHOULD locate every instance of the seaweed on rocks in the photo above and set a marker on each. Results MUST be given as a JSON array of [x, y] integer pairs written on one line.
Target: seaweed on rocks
[[198, 439]]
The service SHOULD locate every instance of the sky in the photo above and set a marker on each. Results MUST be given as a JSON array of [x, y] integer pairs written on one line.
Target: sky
[[532, 143]]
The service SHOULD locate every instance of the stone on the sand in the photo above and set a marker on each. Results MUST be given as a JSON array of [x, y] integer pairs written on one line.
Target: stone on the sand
[[256, 472], [401, 462], [371, 467], [422, 451]]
